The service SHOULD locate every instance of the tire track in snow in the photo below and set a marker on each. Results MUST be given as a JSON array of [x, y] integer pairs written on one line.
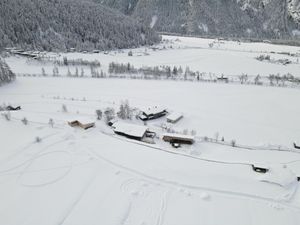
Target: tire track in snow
[[78, 198], [163, 208], [171, 183], [68, 170]]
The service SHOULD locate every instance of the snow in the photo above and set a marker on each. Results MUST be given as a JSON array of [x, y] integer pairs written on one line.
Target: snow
[[130, 129], [279, 175], [230, 58], [153, 21], [75, 177]]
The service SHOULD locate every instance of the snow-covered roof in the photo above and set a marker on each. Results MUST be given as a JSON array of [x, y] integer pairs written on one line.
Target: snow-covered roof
[[153, 110], [174, 116], [81, 120], [130, 129], [182, 136]]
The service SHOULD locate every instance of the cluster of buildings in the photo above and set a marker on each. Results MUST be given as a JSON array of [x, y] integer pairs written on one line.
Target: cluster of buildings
[[142, 132], [139, 132]]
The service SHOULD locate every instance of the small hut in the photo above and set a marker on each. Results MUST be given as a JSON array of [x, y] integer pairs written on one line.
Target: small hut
[[84, 124], [260, 168]]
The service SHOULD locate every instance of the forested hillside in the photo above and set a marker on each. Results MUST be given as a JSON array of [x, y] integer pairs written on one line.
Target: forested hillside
[[6, 75], [62, 24], [230, 18]]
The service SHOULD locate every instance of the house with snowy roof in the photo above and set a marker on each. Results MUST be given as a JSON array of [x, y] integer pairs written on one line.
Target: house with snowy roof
[[150, 113]]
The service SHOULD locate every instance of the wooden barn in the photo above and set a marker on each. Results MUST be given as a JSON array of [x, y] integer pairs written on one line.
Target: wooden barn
[[174, 117], [151, 113], [84, 124], [178, 138], [131, 131]]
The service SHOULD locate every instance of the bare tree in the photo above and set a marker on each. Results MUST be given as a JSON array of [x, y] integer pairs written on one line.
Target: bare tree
[[51, 122], [257, 80], [99, 114], [109, 114]]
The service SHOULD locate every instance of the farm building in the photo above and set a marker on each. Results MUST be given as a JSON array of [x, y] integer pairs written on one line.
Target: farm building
[[11, 108], [260, 168], [84, 124], [174, 117], [178, 138], [131, 131], [151, 113]]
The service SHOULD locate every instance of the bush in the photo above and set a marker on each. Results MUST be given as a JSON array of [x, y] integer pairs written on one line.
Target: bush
[[38, 139], [7, 116], [24, 121], [233, 143], [64, 108]]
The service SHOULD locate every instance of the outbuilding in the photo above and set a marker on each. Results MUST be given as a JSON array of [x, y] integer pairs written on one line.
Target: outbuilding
[[174, 117], [223, 79], [84, 124], [131, 131], [178, 138], [260, 168], [12, 108]]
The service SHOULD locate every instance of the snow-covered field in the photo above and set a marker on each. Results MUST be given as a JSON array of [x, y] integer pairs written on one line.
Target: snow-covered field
[[95, 177], [75, 177], [225, 57]]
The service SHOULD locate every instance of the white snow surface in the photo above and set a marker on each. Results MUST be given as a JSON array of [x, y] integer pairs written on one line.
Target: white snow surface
[[75, 177], [230, 58], [95, 177]]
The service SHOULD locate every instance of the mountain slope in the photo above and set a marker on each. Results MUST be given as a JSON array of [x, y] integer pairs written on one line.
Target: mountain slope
[[62, 24], [233, 18]]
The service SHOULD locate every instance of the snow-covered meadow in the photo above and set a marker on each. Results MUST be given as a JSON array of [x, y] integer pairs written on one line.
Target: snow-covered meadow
[[230, 58], [72, 176]]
